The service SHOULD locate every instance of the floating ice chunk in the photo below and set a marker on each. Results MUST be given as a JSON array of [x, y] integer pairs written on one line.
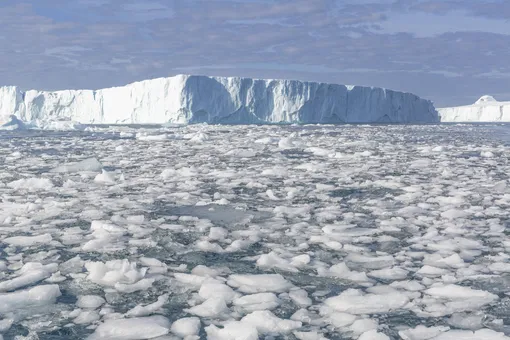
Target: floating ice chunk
[[218, 233], [472, 321], [29, 274], [89, 164], [422, 333], [359, 327], [266, 322], [288, 143], [190, 280], [177, 173], [104, 236], [395, 273], [271, 195], [150, 308], [321, 152], [90, 301], [214, 288], [304, 316], [143, 284], [27, 241], [207, 246], [300, 260], [5, 325], [412, 286], [202, 270], [267, 140], [341, 271], [309, 335], [132, 329], [500, 267], [273, 260], [300, 297], [145, 137], [452, 261], [453, 214], [340, 320], [114, 272], [430, 271], [156, 266], [355, 302], [86, 317], [460, 292], [482, 334], [212, 307], [200, 137], [232, 330], [105, 177], [31, 184], [33, 297], [369, 262], [259, 283], [59, 125], [241, 153], [186, 327], [452, 298], [373, 335], [260, 301]]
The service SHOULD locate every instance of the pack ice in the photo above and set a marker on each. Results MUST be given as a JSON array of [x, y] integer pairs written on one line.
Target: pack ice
[[485, 109], [186, 99]]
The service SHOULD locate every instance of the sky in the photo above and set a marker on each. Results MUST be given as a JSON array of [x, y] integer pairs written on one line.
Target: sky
[[449, 51]]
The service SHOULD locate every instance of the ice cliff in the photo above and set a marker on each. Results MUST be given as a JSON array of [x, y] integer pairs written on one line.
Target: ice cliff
[[485, 109], [196, 99]]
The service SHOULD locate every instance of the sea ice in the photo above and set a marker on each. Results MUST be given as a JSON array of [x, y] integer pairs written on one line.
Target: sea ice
[[115, 272], [89, 164], [266, 322], [212, 307], [31, 184], [355, 302], [186, 326], [259, 283], [232, 330], [260, 301], [132, 329], [33, 297], [30, 273], [90, 301]]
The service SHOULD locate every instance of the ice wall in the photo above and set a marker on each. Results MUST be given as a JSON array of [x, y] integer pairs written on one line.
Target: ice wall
[[485, 109], [195, 99]]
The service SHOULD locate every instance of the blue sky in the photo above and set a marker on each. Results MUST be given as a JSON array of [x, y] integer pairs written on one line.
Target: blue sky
[[450, 51]]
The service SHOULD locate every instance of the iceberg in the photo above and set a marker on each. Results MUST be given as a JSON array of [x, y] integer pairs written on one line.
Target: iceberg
[[187, 99], [485, 109]]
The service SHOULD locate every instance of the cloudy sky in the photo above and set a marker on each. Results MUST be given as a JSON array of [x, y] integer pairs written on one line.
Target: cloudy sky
[[450, 51]]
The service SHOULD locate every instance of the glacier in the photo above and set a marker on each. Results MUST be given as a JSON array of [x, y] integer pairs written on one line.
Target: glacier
[[485, 109], [188, 99]]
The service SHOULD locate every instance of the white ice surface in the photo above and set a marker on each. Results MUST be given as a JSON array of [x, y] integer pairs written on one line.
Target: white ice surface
[[486, 109], [336, 232], [188, 99], [132, 329]]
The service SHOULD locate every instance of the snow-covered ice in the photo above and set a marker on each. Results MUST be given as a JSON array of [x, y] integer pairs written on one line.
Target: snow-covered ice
[[255, 232]]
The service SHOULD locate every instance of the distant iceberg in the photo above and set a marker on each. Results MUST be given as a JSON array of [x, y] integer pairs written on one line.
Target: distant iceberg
[[185, 99], [485, 109]]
